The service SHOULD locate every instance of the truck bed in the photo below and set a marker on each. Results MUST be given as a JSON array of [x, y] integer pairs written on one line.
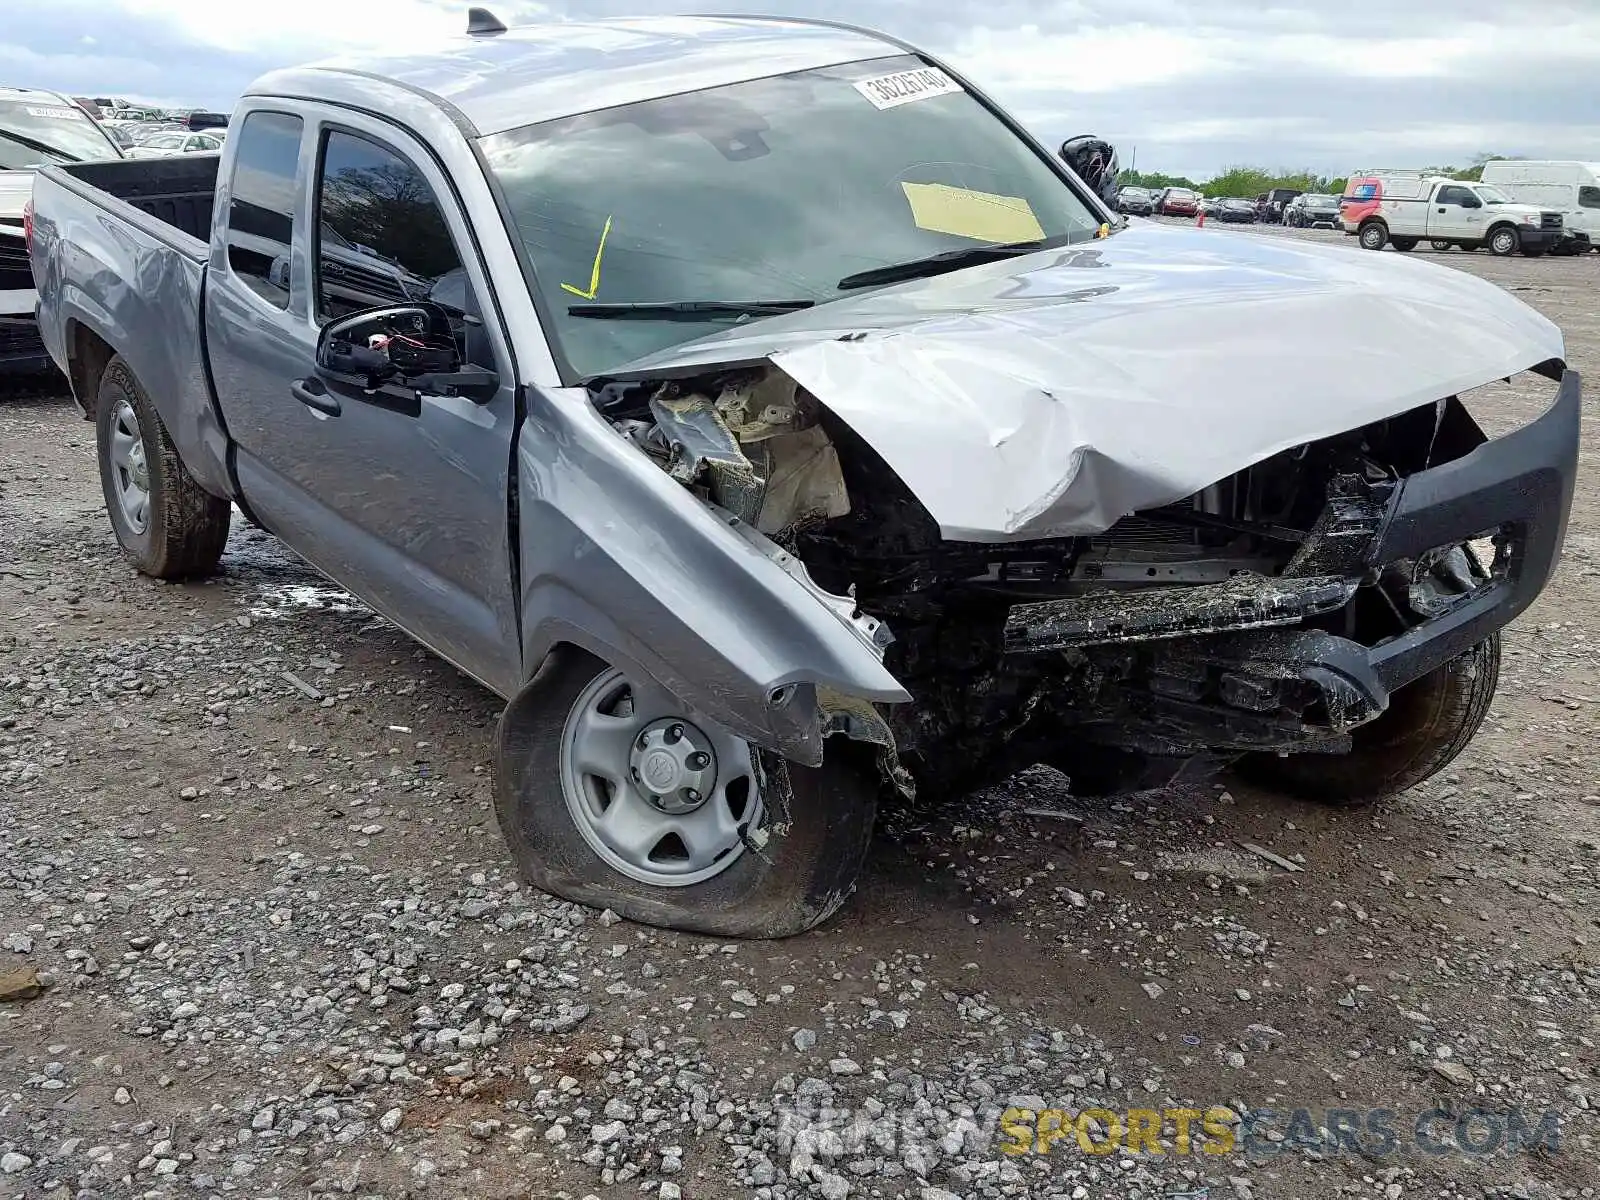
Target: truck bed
[[124, 246], [174, 196]]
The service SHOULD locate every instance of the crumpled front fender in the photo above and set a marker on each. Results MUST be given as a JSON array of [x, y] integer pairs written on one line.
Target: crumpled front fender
[[621, 560]]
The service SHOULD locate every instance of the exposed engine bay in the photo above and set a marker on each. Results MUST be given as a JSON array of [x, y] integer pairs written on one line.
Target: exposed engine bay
[[1227, 623]]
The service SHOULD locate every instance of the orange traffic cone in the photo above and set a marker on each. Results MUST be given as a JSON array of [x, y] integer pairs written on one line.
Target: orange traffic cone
[[1200, 218]]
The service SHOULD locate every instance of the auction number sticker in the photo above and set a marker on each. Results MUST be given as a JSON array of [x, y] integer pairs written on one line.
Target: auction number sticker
[[56, 112], [903, 87]]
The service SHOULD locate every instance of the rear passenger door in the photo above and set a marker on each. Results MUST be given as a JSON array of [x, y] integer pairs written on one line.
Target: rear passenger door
[[400, 496]]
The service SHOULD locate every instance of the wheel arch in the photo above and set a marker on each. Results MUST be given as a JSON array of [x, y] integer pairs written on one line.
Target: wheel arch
[[88, 356]]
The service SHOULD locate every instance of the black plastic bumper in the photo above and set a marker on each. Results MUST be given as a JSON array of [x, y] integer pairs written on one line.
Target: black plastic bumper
[[1520, 485], [21, 350]]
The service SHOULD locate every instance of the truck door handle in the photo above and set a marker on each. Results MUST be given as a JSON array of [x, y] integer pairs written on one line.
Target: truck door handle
[[313, 394]]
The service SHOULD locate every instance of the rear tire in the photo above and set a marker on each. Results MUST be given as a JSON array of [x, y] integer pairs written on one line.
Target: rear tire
[[1426, 725], [1533, 251], [795, 859], [167, 524], [1440, 244], [1404, 243], [1503, 242], [1373, 235]]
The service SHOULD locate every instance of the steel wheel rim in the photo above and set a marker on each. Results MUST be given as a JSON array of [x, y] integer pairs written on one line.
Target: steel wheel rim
[[130, 472], [617, 734], [1502, 241]]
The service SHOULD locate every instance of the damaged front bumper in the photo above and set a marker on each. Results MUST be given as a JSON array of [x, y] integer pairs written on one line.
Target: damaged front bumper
[[1222, 662]]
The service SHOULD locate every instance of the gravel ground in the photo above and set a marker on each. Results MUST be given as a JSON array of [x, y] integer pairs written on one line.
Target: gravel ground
[[250, 854]]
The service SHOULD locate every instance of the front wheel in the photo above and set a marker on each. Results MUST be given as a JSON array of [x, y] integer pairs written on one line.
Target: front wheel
[[613, 793], [166, 523], [1503, 242], [1373, 235], [1426, 725], [1404, 243]]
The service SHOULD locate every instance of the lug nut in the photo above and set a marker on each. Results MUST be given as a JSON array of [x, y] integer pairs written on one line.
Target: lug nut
[[644, 740], [674, 733], [699, 760], [634, 772], [691, 795]]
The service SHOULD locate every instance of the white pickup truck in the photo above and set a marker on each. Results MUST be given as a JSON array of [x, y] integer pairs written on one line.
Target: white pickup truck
[[1401, 208]]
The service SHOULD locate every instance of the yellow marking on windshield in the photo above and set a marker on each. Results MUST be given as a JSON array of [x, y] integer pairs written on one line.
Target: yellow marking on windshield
[[594, 271], [962, 212]]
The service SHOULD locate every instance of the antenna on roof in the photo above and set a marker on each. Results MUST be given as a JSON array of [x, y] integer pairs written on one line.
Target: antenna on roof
[[483, 23]]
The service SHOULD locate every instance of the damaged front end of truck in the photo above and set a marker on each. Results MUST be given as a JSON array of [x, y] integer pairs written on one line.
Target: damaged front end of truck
[[1272, 612]]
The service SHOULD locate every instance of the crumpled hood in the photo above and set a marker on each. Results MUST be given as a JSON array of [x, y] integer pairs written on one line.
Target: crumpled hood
[[1052, 395]]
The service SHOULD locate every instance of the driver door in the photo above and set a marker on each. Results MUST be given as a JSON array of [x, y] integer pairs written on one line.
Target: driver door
[[398, 494], [1450, 217]]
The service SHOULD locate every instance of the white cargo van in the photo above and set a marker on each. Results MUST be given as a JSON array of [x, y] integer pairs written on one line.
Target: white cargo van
[[1572, 188], [1403, 208]]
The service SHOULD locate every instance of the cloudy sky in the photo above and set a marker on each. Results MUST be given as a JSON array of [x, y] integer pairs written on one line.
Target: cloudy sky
[[1190, 86]]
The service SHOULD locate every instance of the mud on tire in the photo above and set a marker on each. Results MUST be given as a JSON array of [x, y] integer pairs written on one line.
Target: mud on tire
[[795, 870], [1426, 725], [183, 527]]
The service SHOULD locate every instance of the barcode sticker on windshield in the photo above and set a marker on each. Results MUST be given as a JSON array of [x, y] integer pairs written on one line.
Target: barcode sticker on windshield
[[59, 113], [890, 91]]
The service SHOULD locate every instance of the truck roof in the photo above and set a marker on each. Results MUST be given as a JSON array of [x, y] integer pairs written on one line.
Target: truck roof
[[535, 73], [22, 95]]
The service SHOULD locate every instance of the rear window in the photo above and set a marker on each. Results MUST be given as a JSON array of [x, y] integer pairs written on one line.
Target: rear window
[[39, 133], [261, 211]]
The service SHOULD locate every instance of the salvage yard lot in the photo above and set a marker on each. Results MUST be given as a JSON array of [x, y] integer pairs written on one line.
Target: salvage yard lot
[[249, 844]]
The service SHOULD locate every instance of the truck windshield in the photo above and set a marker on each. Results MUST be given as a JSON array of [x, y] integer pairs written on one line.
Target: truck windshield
[[1491, 195], [765, 191], [44, 132]]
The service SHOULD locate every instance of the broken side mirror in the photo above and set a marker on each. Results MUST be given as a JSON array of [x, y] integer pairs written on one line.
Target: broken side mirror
[[410, 345]]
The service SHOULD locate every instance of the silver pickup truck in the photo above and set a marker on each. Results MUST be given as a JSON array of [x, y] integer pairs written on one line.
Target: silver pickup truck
[[772, 421]]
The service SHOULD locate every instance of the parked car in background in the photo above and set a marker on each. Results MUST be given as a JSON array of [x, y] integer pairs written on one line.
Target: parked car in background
[[1310, 210], [1235, 210], [1211, 205], [37, 128], [1135, 201], [1270, 204], [1405, 207], [175, 141], [1178, 202], [1570, 188]]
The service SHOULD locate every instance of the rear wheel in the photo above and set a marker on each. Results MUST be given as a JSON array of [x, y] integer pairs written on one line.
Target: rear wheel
[[165, 522], [1503, 241], [1373, 235], [1426, 725], [1533, 251], [1404, 243], [1439, 244], [611, 792]]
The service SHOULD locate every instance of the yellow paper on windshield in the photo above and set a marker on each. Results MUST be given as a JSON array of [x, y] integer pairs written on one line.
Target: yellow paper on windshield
[[962, 212]]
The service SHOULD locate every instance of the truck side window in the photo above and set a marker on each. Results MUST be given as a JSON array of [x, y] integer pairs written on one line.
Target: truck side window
[[1452, 195], [1589, 197], [261, 211], [382, 236]]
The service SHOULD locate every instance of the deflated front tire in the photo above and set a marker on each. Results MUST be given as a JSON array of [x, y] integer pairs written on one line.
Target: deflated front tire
[[612, 793], [1426, 725]]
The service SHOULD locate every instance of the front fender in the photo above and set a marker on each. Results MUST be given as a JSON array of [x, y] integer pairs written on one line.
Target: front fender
[[621, 560]]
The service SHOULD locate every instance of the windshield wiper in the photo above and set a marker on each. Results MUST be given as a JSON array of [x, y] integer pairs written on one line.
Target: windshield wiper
[[37, 147], [948, 260], [671, 310]]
